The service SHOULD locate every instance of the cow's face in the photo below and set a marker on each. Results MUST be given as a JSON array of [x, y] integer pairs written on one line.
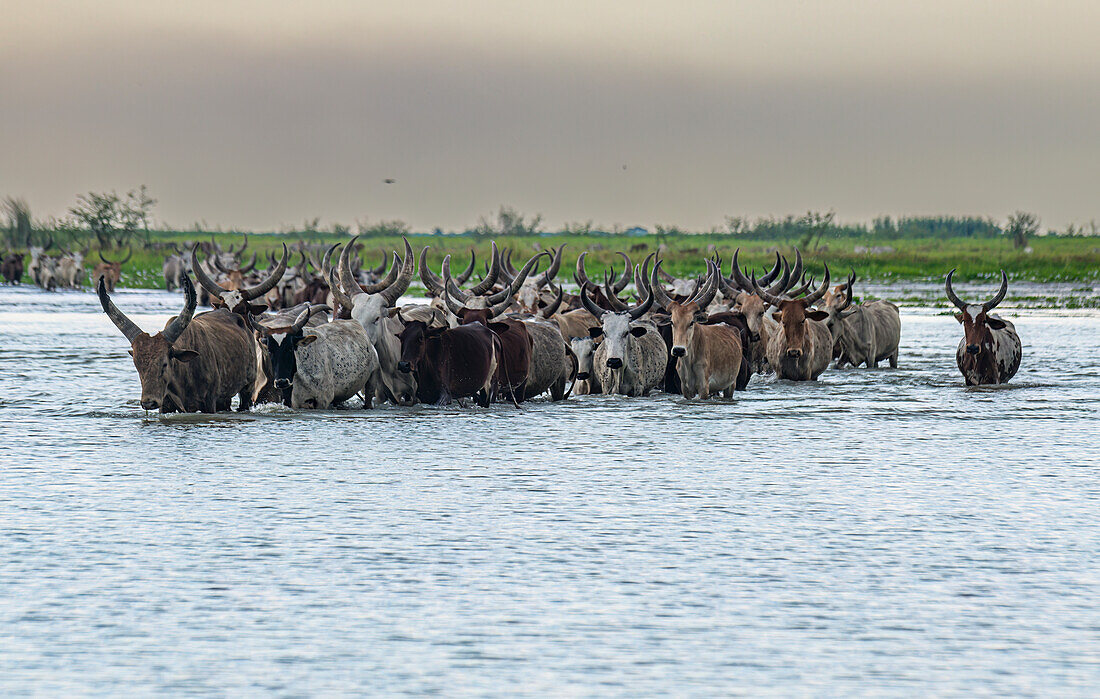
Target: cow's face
[[752, 307], [154, 360], [371, 311], [792, 315], [413, 339], [528, 296], [616, 332], [584, 348], [976, 326], [684, 318], [282, 346]]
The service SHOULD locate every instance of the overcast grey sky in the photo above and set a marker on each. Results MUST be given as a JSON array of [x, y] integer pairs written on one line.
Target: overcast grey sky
[[258, 114]]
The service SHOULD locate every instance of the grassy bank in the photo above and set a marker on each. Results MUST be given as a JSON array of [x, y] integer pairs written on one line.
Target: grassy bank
[[1050, 258]]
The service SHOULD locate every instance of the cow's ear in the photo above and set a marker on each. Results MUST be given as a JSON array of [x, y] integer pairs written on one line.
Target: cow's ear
[[817, 315], [130, 351], [394, 312], [257, 308], [995, 323], [595, 332], [498, 327], [959, 317], [777, 316], [182, 355], [306, 340], [638, 330], [701, 317]]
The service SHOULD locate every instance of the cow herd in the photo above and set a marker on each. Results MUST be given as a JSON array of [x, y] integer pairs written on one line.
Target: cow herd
[[317, 334]]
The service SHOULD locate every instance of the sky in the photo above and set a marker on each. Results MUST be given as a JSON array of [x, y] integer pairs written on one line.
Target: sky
[[260, 115]]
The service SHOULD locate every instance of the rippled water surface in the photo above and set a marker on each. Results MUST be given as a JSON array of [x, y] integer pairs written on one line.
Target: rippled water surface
[[885, 531]]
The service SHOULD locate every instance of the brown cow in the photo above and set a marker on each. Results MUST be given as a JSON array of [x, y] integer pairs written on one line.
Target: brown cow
[[12, 267], [236, 298], [450, 363], [110, 270], [708, 356], [195, 364], [802, 347], [990, 351]]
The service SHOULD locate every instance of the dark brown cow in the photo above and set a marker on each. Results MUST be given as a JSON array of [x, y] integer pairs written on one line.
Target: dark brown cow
[[450, 363], [990, 351], [195, 364], [110, 270], [12, 267]]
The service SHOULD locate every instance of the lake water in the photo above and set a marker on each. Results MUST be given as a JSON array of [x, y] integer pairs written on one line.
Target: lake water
[[884, 531]]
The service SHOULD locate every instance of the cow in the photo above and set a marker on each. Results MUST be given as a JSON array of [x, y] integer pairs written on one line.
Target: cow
[[802, 347], [864, 334], [237, 297], [631, 357], [530, 296], [196, 364], [450, 363], [990, 350], [761, 325], [374, 306], [516, 343], [70, 268], [11, 268], [321, 366], [553, 365], [708, 356], [110, 269], [173, 269], [587, 383]]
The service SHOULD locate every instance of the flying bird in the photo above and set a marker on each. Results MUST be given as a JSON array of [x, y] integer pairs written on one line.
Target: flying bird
[[389, 180]]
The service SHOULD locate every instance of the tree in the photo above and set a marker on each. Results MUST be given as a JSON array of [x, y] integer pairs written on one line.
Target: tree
[[19, 229], [813, 225], [737, 225], [509, 222], [111, 218], [1021, 226]]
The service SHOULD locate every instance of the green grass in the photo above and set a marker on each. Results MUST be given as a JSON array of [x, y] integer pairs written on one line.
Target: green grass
[[1052, 258]]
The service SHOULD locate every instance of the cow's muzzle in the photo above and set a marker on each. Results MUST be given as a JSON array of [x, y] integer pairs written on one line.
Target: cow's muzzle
[[404, 367], [679, 351], [973, 349], [282, 384], [582, 375], [614, 363], [794, 353], [150, 404]]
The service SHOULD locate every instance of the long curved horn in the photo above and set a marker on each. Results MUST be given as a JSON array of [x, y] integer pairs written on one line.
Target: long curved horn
[[641, 276], [625, 279], [431, 282], [782, 283], [772, 275], [737, 276], [705, 295], [269, 283], [385, 283], [465, 276], [129, 254], [180, 322], [404, 278], [250, 266], [98, 252], [580, 275], [849, 292], [959, 303], [301, 320], [326, 260], [666, 276], [992, 303], [216, 260], [243, 245], [763, 293], [552, 270], [127, 326], [351, 286], [795, 293], [453, 306], [337, 293], [506, 260], [642, 308], [200, 274], [491, 276], [449, 283], [616, 304], [382, 267], [657, 290], [796, 271], [813, 298], [550, 310], [590, 305]]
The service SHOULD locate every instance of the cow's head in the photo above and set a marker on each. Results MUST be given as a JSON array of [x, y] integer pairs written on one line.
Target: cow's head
[[617, 327], [837, 304], [975, 318], [371, 304], [414, 339], [155, 356], [471, 307], [792, 314], [685, 314], [237, 297], [584, 348], [282, 344]]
